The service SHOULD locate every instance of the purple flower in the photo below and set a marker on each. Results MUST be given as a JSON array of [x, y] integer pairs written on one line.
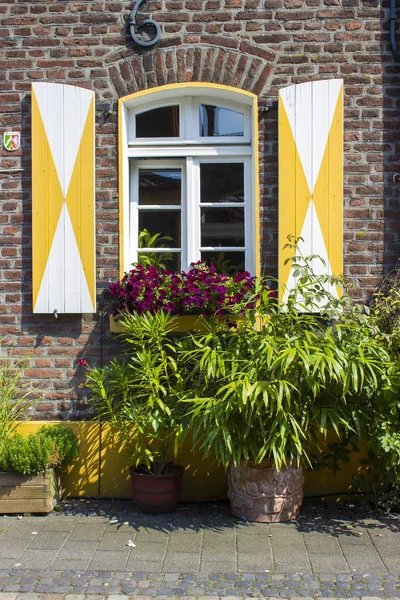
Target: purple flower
[[199, 291]]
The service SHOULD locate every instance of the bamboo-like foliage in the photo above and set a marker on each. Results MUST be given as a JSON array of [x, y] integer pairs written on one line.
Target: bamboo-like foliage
[[16, 396], [382, 428], [270, 387], [279, 382], [138, 394]]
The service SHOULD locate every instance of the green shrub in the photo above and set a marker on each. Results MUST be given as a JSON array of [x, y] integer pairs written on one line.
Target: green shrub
[[382, 429], [64, 441], [274, 387], [48, 447], [27, 455]]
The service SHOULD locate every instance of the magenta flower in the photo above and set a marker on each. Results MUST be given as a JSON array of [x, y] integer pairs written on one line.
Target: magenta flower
[[199, 291]]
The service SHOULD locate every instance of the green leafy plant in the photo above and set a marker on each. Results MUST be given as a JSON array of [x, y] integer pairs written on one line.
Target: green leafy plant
[[382, 417], [16, 396], [64, 442], [47, 448], [139, 393], [159, 259], [275, 386], [29, 455], [224, 264]]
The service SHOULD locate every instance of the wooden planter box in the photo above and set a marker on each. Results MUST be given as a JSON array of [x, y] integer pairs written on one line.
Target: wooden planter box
[[184, 323], [29, 493]]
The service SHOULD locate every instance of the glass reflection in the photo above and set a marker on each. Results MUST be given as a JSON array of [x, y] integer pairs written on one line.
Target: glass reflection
[[221, 182], [222, 227], [158, 123], [217, 121], [165, 222], [225, 262], [160, 186]]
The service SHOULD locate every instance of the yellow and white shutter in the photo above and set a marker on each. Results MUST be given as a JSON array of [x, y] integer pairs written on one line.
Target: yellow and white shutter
[[311, 175], [63, 228]]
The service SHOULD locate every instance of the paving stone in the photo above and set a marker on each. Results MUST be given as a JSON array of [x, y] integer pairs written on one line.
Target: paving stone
[[109, 560], [67, 564], [185, 543], [26, 588], [23, 530], [146, 566], [217, 567], [148, 534], [324, 563], [115, 542], [364, 558], [145, 578], [87, 532], [73, 551], [12, 548], [37, 559]]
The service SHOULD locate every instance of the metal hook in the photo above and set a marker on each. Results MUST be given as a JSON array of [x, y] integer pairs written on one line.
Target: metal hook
[[396, 178], [55, 313], [132, 24]]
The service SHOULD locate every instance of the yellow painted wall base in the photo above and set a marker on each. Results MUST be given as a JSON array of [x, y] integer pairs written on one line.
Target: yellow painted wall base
[[101, 470]]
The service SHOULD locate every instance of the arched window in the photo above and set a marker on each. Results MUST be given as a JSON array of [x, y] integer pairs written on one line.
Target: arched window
[[188, 172]]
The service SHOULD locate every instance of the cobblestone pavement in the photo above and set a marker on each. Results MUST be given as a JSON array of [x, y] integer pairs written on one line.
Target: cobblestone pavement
[[107, 550]]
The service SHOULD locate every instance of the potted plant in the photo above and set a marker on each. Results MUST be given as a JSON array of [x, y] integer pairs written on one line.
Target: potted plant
[[29, 480], [267, 394], [138, 395]]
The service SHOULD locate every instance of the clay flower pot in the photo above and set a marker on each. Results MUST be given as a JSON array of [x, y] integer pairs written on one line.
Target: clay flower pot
[[263, 494], [157, 493]]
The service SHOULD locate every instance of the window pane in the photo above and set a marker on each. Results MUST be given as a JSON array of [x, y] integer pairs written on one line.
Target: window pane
[[166, 222], [160, 122], [225, 262], [222, 227], [218, 121], [160, 186], [221, 182]]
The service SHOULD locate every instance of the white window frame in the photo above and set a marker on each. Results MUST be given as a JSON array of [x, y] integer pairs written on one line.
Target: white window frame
[[189, 123], [156, 163], [191, 207], [191, 150]]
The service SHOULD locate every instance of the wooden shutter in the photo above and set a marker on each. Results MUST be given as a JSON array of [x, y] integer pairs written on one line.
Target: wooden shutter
[[311, 175], [63, 229]]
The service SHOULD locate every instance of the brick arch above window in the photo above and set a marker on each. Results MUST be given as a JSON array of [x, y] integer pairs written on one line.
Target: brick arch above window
[[245, 66]]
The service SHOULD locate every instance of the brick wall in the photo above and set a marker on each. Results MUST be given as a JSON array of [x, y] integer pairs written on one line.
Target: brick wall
[[254, 44]]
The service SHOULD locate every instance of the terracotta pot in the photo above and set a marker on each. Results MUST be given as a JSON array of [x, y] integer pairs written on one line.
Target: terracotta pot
[[157, 493], [263, 494]]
